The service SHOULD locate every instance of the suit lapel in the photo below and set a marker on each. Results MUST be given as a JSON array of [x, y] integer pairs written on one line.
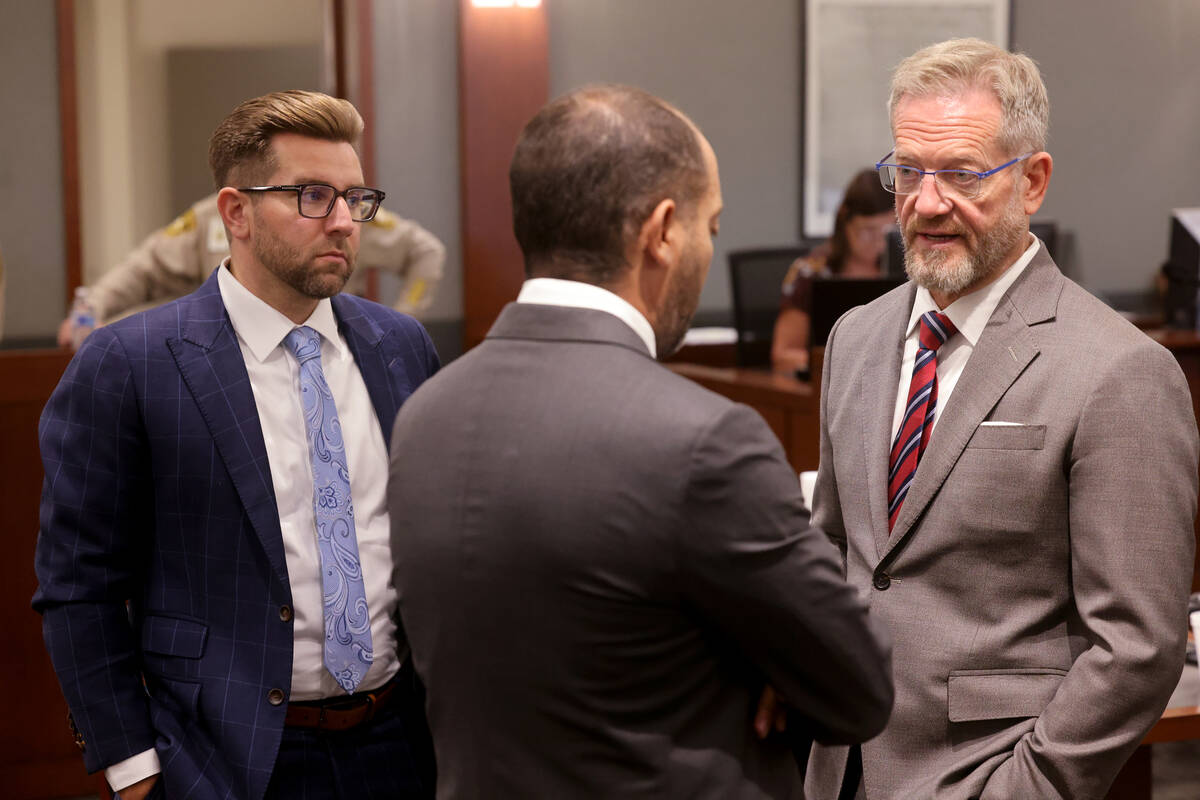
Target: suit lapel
[[878, 404], [376, 361], [210, 360], [1002, 353]]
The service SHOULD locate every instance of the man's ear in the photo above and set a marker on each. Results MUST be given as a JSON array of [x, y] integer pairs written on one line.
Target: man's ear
[[234, 208], [1037, 177], [658, 239]]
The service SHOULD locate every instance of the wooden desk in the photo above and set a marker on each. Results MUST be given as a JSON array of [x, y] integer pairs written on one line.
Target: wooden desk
[[1181, 721], [710, 355]]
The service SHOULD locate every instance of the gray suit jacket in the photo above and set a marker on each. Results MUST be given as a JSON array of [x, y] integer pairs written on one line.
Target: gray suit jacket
[[1037, 578], [599, 563]]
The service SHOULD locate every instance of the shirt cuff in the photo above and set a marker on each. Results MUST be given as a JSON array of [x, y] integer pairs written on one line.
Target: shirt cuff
[[126, 773]]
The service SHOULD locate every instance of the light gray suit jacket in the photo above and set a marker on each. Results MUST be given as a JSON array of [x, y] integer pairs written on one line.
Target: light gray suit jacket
[[1036, 582], [599, 562]]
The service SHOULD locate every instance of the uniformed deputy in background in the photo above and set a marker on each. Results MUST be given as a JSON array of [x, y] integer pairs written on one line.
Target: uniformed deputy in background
[[175, 260]]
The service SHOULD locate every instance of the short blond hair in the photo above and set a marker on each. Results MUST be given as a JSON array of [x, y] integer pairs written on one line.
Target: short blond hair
[[957, 65], [239, 150]]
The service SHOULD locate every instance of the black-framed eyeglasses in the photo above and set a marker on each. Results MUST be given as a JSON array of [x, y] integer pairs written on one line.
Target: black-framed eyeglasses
[[315, 200], [901, 179]]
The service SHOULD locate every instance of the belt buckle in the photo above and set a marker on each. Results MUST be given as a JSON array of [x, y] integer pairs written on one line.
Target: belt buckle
[[370, 712]]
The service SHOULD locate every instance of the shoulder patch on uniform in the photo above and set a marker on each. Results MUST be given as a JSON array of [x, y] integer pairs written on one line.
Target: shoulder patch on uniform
[[384, 220], [182, 224], [415, 291]]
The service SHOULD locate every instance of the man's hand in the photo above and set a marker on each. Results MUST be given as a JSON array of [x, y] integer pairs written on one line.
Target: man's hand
[[771, 714], [137, 791], [64, 333]]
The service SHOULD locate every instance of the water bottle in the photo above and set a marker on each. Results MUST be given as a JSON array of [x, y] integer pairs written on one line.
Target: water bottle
[[83, 317]]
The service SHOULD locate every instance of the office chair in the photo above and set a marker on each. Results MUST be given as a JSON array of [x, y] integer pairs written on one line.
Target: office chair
[[1048, 233], [756, 277]]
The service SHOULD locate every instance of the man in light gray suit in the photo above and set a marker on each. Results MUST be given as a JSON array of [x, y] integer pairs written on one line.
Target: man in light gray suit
[[600, 564], [1008, 466]]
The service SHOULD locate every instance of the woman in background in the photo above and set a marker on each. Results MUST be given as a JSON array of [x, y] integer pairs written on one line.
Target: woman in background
[[855, 250]]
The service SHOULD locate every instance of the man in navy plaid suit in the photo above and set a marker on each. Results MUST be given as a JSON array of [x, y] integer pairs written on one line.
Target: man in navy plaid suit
[[185, 595]]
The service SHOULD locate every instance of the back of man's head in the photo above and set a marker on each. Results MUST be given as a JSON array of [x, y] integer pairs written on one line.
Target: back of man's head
[[959, 65], [589, 169], [239, 151]]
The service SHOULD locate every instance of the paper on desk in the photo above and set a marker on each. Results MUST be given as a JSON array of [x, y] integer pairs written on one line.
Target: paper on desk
[[1190, 219], [710, 336]]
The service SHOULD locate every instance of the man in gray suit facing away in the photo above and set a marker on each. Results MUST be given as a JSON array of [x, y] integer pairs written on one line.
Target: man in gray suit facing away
[[1008, 466], [601, 564]]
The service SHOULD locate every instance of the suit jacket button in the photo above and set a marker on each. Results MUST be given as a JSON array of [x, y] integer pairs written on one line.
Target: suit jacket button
[[75, 734], [882, 581], [285, 613], [275, 697]]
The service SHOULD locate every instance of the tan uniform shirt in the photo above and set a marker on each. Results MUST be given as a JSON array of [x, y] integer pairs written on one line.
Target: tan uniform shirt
[[175, 260]]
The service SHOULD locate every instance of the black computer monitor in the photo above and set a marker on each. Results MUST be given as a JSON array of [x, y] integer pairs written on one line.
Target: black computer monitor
[[1183, 268], [832, 297]]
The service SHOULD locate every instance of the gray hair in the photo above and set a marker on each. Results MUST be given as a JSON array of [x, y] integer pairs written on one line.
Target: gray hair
[[958, 65]]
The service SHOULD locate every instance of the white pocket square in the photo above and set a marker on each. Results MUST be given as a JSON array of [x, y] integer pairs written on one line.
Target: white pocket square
[[999, 424]]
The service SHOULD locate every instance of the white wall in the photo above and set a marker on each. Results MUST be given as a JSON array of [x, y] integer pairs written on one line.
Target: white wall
[[122, 48], [416, 119], [229, 23], [105, 78]]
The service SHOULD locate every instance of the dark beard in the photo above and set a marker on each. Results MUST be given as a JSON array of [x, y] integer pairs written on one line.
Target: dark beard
[[290, 266], [676, 314]]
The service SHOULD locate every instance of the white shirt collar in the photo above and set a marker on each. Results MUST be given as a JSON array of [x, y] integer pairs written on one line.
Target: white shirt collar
[[261, 326], [971, 312], [576, 294]]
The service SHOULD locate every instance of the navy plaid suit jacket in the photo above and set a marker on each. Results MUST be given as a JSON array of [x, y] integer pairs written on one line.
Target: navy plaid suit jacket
[[160, 562]]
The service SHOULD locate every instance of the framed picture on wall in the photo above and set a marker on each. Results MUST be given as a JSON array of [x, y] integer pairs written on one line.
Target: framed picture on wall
[[850, 49]]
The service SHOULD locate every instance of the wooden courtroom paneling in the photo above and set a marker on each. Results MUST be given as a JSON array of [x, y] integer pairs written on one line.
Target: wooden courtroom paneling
[[504, 78], [38, 757]]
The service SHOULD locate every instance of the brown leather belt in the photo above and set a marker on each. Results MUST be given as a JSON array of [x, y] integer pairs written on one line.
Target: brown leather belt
[[340, 713]]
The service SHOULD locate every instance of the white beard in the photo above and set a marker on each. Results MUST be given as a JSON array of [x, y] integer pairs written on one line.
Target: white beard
[[951, 274]]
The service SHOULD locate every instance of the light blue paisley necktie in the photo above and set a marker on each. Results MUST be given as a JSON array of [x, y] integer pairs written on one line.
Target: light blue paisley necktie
[[348, 652]]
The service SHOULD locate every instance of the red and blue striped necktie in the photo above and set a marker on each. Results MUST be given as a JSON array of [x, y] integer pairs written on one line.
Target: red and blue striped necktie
[[917, 423]]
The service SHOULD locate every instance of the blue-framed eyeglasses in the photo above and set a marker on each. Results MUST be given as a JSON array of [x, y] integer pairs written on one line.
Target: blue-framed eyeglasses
[[900, 179]]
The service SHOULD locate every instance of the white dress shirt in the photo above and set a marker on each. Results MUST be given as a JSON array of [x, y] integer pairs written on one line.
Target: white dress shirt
[[577, 294], [275, 382], [970, 314]]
